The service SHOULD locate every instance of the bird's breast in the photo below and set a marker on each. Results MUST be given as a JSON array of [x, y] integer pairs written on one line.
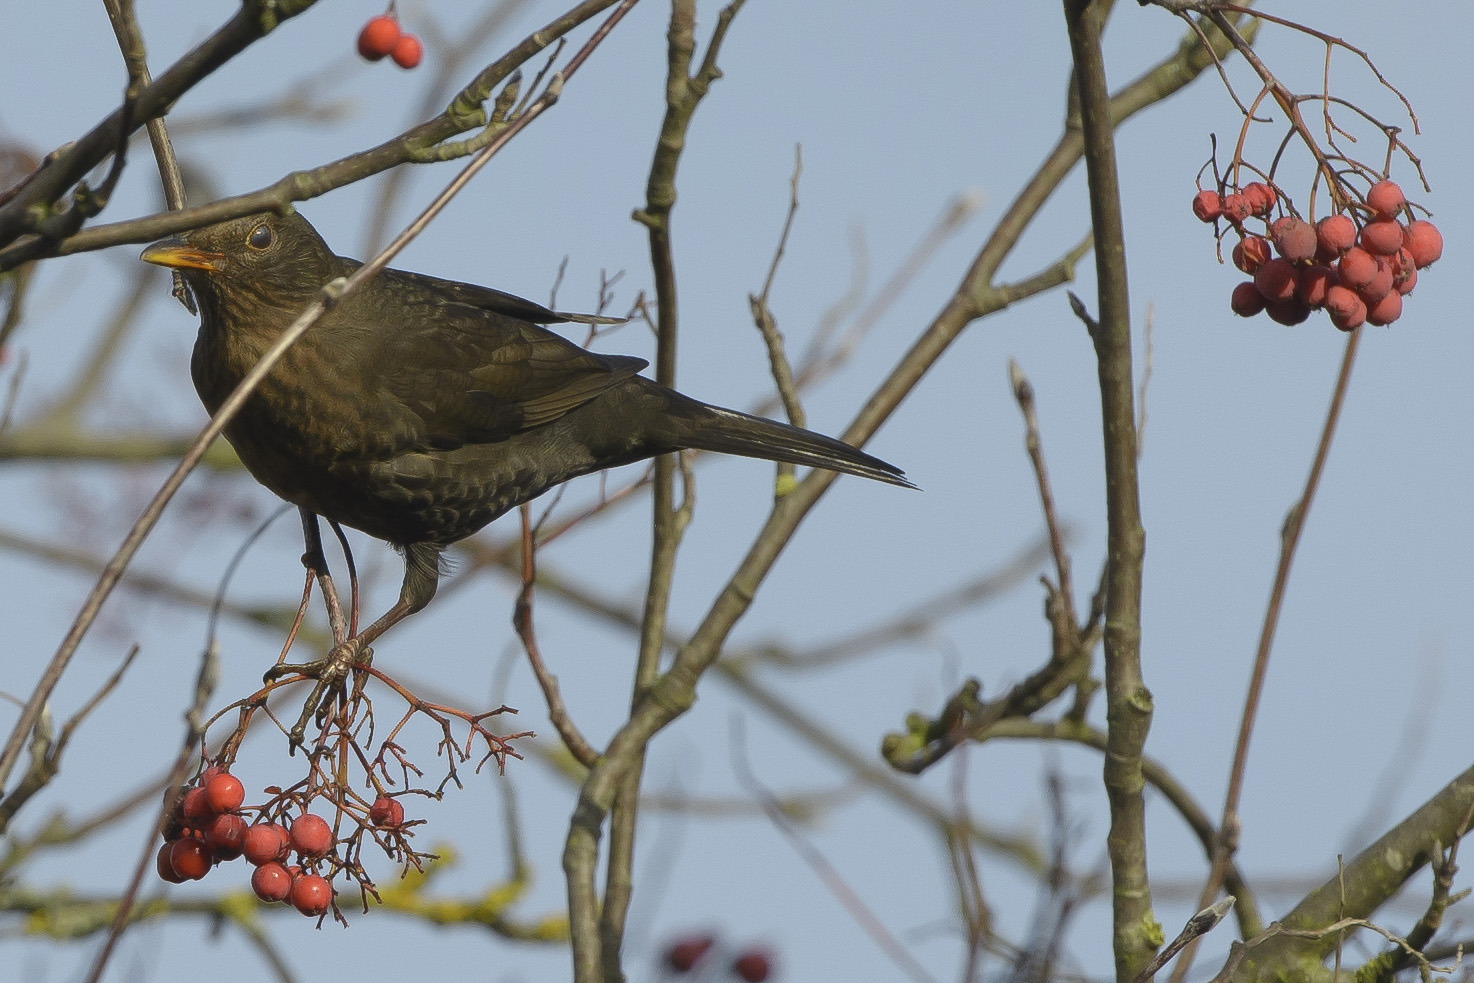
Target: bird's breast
[[307, 432]]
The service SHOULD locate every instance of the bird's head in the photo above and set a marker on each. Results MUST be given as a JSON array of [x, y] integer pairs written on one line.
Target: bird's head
[[263, 260]]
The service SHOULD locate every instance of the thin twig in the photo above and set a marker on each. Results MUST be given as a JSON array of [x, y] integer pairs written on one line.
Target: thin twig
[[872, 924], [1289, 539], [573, 739]]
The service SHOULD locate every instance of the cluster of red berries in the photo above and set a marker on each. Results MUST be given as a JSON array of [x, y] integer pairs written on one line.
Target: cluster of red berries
[[1356, 275], [207, 828], [381, 38], [690, 954]]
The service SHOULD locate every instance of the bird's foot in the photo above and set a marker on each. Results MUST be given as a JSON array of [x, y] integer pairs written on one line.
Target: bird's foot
[[331, 673]]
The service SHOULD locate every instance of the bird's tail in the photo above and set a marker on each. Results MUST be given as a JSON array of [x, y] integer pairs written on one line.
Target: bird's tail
[[731, 432]]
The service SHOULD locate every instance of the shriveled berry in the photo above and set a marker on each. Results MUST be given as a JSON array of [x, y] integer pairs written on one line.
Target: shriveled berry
[[1424, 242], [1250, 253], [1287, 312], [386, 812], [312, 837], [1207, 205], [1385, 198], [225, 793], [754, 966], [190, 858], [311, 894], [378, 37], [408, 51], [1236, 208], [1246, 300], [1382, 237], [684, 954], [264, 843], [1313, 282], [173, 827], [1347, 310], [165, 866], [1260, 196], [1336, 233], [1294, 238], [226, 836], [1386, 310], [1276, 280], [1357, 268], [271, 882]]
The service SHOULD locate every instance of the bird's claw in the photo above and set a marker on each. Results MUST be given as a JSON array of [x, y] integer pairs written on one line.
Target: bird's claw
[[330, 672]]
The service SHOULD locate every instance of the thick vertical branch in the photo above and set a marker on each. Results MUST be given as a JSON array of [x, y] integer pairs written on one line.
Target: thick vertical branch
[[1136, 934]]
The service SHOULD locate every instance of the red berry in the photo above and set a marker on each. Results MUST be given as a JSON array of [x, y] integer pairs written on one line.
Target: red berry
[[196, 807], [1385, 198], [1404, 272], [1287, 312], [1276, 280], [1207, 205], [1294, 238], [205, 775], [1250, 253], [1357, 268], [1381, 284], [165, 866], [386, 812], [1382, 237], [1347, 310], [311, 894], [226, 836], [225, 793], [1424, 242], [1246, 300], [190, 858], [684, 955], [753, 966], [264, 843], [378, 37], [1386, 310], [407, 51], [1313, 283], [271, 882], [312, 837], [1260, 196], [1236, 208], [1335, 234]]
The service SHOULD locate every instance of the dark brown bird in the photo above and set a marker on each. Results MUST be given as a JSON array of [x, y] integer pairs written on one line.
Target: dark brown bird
[[419, 409]]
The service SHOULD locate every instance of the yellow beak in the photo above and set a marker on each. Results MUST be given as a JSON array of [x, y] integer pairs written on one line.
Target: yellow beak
[[177, 254]]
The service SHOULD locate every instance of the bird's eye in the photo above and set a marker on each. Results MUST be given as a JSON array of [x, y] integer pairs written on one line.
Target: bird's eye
[[260, 237]]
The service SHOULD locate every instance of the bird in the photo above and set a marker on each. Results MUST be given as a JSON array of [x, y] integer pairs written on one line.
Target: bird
[[419, 409]]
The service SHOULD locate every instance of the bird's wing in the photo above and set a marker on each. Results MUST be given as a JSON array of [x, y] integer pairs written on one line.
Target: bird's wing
[[468, 374], [485, 298], [496, 301]]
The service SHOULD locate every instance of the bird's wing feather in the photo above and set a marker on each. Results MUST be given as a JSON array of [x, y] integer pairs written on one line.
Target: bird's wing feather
[[475, 295], [493, 300], [480, 375]]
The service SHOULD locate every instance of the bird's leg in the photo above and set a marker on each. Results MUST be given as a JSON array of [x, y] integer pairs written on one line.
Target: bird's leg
[[421, 576], [317, 566], [316, 563]]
